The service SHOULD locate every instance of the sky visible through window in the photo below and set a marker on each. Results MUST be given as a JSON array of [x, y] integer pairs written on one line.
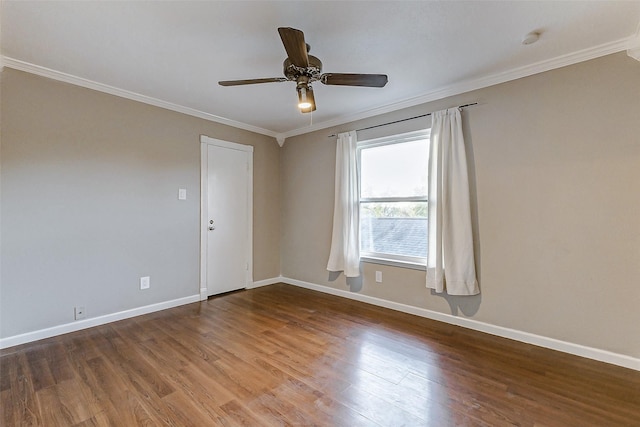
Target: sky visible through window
[[395, 170]]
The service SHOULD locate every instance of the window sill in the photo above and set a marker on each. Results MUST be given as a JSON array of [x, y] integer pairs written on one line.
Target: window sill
[[394, 263]]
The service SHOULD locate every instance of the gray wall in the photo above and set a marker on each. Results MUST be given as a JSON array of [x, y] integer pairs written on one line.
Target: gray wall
[[555, 172], [89, 204]]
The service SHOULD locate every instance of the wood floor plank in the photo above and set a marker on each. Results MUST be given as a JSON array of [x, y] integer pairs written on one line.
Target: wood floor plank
[[54, 410], [99, 420], [21, 395], [237, 414], [379, 410], [321, 374], [122, 405], [281, 355], [40, 372], [58, 362], [123, 352], [186, 376], [338, 414]]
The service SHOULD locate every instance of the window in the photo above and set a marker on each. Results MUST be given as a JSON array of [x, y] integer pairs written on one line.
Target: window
[[393, 198]]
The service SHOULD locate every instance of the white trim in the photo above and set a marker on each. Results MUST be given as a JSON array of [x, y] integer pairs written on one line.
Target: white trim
[[627, 44], [206, 141], [249, 274], [538, 340], [265, 282], [473, 84], [17, 64], [526, 337], [204, 191], [94, 321], [393, 262], [634, 45], [416, 135]]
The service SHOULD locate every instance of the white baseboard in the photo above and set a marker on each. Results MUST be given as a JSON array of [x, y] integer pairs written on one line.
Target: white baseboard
[[94, 321], [265, 282], [538, 340]]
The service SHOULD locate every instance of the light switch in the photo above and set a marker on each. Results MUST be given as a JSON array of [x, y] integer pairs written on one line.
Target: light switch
[[182, 194]]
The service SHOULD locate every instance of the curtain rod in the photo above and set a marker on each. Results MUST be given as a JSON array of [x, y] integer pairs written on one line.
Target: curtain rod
[[404, 120]]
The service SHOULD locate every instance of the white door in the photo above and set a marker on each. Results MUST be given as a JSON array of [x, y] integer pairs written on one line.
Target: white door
[[227, 215]]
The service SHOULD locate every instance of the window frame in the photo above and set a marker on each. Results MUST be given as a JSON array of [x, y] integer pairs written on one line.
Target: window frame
[[402, 261]]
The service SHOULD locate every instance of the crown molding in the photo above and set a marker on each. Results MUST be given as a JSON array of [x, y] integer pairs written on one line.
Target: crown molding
[[475, 84], [634, 46], [89, 84], [630, 44]]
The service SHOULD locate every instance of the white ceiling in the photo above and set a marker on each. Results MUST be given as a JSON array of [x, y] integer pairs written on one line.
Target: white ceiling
[[173, 54]]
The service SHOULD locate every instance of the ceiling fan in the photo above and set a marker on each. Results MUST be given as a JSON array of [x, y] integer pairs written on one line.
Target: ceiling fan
[[304, 69]]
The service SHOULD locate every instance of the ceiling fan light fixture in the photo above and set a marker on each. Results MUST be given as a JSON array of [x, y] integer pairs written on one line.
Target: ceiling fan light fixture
[[306, 101]]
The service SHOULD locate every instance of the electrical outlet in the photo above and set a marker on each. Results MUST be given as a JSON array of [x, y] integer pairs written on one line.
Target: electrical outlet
[[145, 282], [378, 276], [78, 312]]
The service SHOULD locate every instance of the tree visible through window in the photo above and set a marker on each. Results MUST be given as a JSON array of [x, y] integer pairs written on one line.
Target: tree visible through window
[[393, 197]]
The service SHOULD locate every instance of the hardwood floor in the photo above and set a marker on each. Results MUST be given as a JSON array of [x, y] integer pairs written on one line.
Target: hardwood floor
[[281, 355]]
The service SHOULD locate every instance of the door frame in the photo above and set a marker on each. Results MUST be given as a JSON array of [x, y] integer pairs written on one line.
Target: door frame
[[205, 142]]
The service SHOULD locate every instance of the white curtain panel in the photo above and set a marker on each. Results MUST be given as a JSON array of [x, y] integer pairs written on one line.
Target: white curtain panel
[[450, 259], [345, 239]]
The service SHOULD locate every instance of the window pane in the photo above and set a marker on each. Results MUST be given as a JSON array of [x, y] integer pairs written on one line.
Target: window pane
[[395, 170], [398, 228]]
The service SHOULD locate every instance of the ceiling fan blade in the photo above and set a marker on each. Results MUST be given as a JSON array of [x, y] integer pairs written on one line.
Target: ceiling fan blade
[[342, 79], [294, 44], [251, 81]]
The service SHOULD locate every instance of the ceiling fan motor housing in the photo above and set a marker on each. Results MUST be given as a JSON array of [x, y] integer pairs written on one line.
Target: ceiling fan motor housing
[[293, 72]]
